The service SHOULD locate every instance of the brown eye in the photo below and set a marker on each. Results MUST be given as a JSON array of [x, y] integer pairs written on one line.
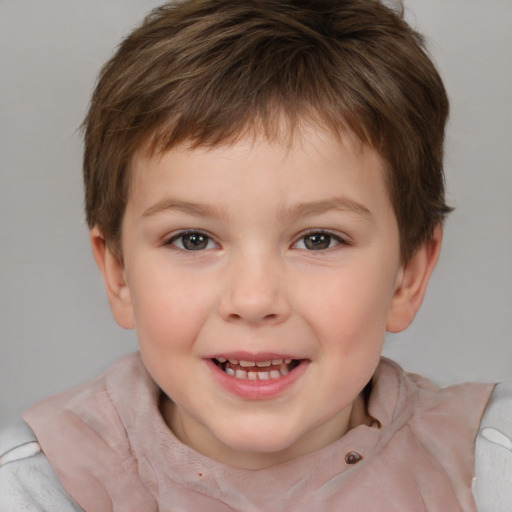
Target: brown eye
[[194, 241], [317, 241]]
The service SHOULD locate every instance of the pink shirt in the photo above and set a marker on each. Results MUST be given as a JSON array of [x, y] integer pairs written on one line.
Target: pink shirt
[[112, 451]]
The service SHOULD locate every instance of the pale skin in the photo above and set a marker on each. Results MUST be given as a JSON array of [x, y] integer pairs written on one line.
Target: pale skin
[[263, 249]]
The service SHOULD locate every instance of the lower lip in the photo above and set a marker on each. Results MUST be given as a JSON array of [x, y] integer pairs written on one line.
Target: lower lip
[[256, 389]]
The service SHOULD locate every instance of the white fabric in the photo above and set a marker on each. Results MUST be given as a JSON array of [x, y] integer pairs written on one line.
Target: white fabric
[[27, 481], [492, 486]]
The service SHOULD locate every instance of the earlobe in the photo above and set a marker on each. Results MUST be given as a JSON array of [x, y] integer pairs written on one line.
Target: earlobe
[[412, 283], [112, 271]]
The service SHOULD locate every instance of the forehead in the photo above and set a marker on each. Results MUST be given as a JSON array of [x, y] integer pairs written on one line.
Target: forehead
[[312, 165], [303, 135]]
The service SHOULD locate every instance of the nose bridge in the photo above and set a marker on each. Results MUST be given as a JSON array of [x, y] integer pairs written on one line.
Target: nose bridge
[[255, 290]]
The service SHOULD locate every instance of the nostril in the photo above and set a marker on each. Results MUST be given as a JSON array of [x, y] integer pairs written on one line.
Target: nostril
[[271, 317]]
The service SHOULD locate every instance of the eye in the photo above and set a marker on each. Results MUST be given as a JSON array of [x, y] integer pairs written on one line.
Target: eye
[[192, 241], [318, 241]]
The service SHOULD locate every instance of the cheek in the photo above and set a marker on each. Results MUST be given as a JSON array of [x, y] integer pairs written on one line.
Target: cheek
[[169, 310], [349, 312], [168, 322]]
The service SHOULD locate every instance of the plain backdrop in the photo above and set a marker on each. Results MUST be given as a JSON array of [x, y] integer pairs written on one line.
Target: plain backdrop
[[55, 326]]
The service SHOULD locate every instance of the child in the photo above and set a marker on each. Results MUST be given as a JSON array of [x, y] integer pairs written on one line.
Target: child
[[265, 197]]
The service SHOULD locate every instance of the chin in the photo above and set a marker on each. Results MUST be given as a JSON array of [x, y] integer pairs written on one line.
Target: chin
[[261, 446], [260, 441]]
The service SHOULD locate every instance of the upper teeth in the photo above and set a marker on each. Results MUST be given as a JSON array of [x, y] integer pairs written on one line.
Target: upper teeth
[[259, 364]]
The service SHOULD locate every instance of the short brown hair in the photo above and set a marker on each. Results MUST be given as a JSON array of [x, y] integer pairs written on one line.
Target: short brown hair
[[209, 71]]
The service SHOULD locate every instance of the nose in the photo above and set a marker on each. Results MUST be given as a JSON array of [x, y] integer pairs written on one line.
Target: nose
[[255, 291]]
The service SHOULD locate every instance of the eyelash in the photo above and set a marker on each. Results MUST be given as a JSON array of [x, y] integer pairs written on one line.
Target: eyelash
[[207, 240], [331, 236]]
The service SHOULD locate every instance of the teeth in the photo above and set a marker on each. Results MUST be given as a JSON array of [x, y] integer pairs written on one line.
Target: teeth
[[242, 373], [259, 364]]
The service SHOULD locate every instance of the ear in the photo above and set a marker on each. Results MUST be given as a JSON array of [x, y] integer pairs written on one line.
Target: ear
[[112, 270], [412, 283]]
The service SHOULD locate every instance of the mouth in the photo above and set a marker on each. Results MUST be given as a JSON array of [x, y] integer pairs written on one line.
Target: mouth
[[272, 369]]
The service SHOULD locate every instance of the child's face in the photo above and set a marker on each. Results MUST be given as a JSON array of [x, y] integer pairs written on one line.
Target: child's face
[[260, 252]]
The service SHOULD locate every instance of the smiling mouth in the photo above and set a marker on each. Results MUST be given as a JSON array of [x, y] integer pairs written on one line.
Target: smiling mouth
[[256, 370]]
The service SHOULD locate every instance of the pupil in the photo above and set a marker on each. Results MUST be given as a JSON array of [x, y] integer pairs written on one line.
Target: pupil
[[195, 241], [317, 241]]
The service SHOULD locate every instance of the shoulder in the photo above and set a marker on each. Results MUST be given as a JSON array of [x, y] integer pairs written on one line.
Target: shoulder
[[27, 481], [492, 486]]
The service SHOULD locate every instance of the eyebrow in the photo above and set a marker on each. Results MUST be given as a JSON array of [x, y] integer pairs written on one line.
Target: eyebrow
[[190, 208], [309, 209], [300, 210]]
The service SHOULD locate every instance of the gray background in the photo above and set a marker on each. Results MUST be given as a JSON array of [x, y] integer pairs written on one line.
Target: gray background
[[55, 326]]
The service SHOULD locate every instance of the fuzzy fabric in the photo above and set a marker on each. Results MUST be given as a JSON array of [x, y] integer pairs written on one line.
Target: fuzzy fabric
[[112, 451]]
